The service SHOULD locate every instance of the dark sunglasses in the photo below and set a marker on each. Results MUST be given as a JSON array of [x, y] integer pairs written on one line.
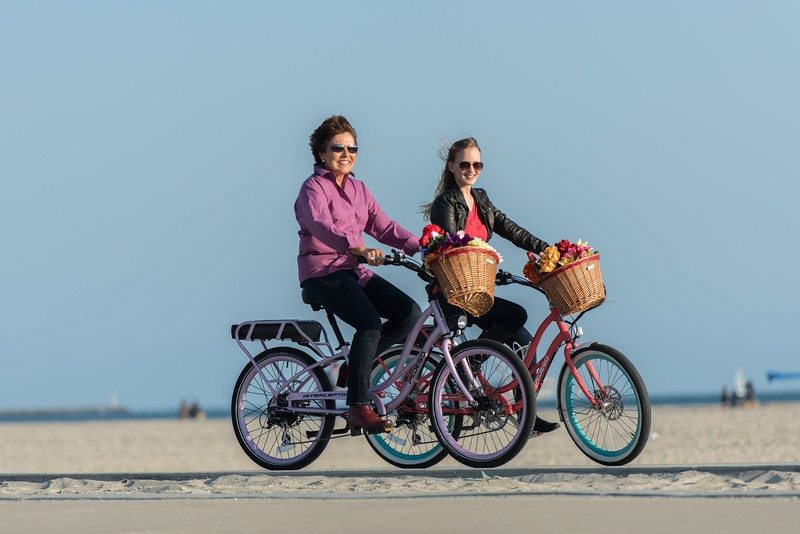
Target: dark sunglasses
[[465, 165], [337, 148]]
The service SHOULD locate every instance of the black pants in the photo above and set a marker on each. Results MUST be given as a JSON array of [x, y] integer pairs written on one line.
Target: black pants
[[362, 308], [504, 322]]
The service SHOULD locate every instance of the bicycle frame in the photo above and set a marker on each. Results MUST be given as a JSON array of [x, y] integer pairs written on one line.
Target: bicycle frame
[[565, 336]]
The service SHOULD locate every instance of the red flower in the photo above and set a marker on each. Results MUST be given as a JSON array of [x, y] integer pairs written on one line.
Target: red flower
[[564, 246], [428, 232], [531, 269]]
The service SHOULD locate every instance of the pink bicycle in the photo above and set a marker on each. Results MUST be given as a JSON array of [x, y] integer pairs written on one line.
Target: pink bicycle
[[478, 398], [601, 397]]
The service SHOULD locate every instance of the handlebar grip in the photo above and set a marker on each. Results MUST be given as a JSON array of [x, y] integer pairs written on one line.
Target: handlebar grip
[[362, 259], [395, 258]]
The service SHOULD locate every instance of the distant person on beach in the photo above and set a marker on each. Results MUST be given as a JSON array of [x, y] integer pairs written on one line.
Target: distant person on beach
[[459, 205], [749, 395], [333, 209], [191, 411], [183, 411], [196, 412]]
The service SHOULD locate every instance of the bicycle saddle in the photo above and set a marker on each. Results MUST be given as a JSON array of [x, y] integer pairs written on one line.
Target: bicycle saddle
[[311, 301]]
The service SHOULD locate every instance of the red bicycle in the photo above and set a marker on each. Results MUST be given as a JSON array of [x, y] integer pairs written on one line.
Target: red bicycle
[[601, 397]]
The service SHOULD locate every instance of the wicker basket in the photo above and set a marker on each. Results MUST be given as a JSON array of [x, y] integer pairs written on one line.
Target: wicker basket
[[466, 277], [575, 287]]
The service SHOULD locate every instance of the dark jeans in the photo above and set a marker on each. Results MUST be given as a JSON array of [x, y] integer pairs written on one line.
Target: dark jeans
[[504, 322], [362, 308]]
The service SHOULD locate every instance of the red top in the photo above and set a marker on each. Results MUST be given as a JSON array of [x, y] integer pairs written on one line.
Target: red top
[[475, 227]]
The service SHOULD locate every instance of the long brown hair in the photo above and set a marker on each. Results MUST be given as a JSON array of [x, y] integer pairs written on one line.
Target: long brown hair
[[447, 178], [326, 131]]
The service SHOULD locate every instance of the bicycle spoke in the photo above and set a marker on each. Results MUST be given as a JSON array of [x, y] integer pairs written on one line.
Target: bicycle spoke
[[412, 443], [491, 433], [270, 431], [612, 431]]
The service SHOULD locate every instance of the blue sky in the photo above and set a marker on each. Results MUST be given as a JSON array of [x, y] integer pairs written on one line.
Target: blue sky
[[150, 154]]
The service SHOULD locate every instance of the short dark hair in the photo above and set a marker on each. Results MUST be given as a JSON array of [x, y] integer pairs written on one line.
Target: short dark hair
[[330, 127]]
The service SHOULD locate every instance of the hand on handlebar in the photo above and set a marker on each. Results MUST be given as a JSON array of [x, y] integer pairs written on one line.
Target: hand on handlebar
[[373, 256]]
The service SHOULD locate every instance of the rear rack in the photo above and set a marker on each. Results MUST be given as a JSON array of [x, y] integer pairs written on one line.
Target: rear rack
[[302, 332]]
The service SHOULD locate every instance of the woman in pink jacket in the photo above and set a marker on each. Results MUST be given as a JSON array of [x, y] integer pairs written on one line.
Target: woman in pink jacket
[[333, 210]]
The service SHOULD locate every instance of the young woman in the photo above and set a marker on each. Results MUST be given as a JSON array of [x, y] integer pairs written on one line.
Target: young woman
[[333, 209], [461, 206]]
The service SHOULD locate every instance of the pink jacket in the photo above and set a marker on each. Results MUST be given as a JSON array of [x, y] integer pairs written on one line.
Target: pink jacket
[[331, 220]]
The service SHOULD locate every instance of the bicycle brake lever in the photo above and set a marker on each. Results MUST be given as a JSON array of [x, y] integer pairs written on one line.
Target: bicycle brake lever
[[502, 278], [397, 257]]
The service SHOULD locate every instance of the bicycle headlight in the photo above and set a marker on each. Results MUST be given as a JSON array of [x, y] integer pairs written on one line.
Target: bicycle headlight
[[456, 323]]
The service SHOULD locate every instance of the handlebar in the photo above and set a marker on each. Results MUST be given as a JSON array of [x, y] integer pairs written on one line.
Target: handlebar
[[400, 259], [504, 278]]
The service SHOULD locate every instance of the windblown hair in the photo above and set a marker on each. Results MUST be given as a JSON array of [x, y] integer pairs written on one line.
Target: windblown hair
[[330, 127], [447, 178]]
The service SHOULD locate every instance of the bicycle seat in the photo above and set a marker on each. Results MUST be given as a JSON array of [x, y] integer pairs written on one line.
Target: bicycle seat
[[265, 331], [311, 301]]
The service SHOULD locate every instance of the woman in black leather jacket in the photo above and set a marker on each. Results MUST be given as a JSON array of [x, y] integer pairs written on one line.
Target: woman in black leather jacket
[[461, 206]]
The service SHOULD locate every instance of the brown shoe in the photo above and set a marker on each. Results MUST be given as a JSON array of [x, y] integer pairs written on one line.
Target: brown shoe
[[362, 416]]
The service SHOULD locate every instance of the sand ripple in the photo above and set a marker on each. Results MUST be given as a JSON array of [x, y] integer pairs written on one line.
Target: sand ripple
[[714, 481]]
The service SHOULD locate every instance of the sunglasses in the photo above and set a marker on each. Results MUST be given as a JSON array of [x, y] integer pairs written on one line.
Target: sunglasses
[[465, 165], [337, 148]]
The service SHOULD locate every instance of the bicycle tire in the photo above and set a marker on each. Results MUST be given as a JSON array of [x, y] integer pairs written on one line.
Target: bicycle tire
[[616, 433], [266, 434], [412, 444], [502, 422]]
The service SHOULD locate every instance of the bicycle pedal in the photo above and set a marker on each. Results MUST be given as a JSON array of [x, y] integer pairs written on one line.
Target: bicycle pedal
[[355, 431]]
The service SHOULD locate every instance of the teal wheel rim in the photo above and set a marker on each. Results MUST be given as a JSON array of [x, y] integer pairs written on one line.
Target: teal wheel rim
[[580, 429], [384, 440]]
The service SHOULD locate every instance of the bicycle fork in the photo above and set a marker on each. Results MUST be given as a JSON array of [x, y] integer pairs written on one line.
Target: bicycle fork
[[462, 387]]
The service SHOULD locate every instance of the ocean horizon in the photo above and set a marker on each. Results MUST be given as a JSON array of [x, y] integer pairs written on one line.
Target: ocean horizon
[[117, 413]]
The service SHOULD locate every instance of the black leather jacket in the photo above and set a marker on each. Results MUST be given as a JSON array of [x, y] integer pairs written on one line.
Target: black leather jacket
[[449, 210]]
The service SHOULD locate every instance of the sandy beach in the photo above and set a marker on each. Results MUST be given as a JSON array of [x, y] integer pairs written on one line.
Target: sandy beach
[[699, 457], [680, 436]]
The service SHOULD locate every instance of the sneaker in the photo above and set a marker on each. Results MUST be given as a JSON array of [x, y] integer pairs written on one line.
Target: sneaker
[[543, 427]]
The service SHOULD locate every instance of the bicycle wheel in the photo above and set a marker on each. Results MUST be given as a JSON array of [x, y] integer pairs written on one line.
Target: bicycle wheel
[[412, 443], [272, 436], [615, 432], [498, 426]]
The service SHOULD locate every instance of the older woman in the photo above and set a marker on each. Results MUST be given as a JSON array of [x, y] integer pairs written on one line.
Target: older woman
[[461, 206], [333, 209]]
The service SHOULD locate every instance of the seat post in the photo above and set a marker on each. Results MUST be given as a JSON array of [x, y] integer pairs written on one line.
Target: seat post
[[336, 331]]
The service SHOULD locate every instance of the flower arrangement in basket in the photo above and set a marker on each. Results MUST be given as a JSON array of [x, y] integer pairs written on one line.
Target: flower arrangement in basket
[[464, 266], [569, 274]]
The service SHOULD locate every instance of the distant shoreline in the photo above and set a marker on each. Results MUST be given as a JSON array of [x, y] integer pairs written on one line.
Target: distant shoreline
[[121, 413]]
